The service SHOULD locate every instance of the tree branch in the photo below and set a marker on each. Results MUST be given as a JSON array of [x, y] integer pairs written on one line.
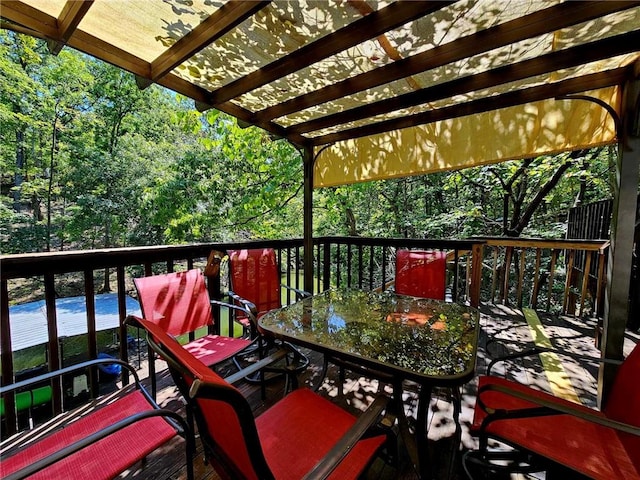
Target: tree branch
[[537, 200], [265, 212]]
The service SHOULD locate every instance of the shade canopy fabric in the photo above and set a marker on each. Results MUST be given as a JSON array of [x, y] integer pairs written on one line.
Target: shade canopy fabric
[[375, 89]]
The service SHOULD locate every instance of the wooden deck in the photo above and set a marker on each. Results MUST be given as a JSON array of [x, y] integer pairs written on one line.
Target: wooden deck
[[508, 325]]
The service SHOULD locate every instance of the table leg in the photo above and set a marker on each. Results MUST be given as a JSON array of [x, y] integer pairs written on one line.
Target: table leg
[[323, 373], [424, 465], [456, 394], [415, 443]]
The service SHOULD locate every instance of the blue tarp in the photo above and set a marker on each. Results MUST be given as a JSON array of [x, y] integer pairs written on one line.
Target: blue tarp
[[29, 320]]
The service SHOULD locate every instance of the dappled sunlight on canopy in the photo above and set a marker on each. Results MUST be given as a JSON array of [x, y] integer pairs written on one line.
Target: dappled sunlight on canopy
[[524, 131]]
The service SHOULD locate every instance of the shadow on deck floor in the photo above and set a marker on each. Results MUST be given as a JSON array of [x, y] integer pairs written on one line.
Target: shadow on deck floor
[[507, 325]]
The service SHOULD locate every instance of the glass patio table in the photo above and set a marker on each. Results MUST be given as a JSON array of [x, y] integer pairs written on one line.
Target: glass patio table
[[430, 342]]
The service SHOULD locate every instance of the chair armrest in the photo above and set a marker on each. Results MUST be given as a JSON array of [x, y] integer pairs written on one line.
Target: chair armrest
[[176, 421], [340, 450], [546, 407], [242, 308], [248, 306], [300, 294], [63, 371], [538, 350], [256, 366]]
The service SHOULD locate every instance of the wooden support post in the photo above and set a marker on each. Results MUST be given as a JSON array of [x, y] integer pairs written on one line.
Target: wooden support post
[[521, 276], [308, 161], [507, 267], [536, 280], [552, 272], [494, 275], [122, 313], [92, 331], [568, 284], [622, 232]]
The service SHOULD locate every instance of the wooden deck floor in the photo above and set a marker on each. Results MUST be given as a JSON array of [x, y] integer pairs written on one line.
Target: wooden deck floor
[[508, 325]]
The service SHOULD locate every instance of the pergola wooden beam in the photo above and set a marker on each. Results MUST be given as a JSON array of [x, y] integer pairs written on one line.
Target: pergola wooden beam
[[562, 59], [509, 99], [538, 23], [222, 21], [31, 18], [200, 95], [374, 24], [72, 14]]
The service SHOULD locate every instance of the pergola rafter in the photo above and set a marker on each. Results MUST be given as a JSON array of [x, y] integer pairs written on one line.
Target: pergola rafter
[[551, 62], [221, 22], [282, 88], [374, 24], [509, 99], [538, 23]]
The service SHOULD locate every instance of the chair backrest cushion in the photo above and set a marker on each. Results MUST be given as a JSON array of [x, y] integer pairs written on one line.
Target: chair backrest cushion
[[623, 402], [421, 273], [255, 276], [217, 405], [178, 302]]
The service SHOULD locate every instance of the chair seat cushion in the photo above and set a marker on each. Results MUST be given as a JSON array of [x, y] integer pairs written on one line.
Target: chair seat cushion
[[301, 428], [212, 349], [105, 458], [591, 449]]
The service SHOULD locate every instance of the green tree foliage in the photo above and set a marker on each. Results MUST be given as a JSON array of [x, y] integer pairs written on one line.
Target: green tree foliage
[[90, 161], [23, 143], [231, 184], [525, 197]]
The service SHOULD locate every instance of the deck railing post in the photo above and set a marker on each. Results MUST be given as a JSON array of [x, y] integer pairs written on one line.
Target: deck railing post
[[326, 265], [476, 274], [53, 346], [89, 294], [7, 358], [122, 313]]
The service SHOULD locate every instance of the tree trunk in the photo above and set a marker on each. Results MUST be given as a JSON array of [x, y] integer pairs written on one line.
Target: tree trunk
[[17, 201], [351, 223], [51, 172]]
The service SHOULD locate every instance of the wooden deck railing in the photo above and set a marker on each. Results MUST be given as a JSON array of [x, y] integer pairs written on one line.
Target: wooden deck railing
[[369, 263], [557, 276], [352, 261]]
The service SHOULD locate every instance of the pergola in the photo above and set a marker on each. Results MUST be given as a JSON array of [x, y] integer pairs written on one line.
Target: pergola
[[379, 89]]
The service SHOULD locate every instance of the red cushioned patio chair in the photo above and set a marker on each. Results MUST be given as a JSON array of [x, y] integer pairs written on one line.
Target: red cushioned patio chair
[[255, 287], [179, 304], [301, 436], [421, 273], [547, 432], [255, 283], [97, 441]]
